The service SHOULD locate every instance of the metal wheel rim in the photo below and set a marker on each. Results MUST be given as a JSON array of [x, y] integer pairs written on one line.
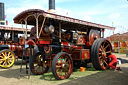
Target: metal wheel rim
[[63, 66], [38, 65], [104, 51], [7, 59]]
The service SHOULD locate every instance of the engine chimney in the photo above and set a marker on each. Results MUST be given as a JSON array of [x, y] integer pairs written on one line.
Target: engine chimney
[[2, 18], [51, 4]]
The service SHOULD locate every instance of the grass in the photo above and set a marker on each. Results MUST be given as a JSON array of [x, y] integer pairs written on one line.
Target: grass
[[49, 78]]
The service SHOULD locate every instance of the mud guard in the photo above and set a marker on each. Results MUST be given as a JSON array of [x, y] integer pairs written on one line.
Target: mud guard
[[39, 49], [4, 47]]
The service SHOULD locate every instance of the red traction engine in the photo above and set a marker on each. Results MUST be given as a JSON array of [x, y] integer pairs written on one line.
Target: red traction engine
[[10, 47], [60, 42]]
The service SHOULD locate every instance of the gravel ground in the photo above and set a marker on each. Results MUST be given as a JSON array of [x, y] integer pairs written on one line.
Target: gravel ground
[[107, 77]]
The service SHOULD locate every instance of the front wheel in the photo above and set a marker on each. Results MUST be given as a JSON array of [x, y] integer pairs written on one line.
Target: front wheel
[[62, 66], [37, 65], [7, 58]]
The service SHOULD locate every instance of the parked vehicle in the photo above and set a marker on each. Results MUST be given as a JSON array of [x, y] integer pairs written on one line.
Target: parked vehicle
[[11, 46], [59, 41]]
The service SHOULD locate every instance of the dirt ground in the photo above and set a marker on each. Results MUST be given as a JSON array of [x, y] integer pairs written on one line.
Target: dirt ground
[[107, 77]]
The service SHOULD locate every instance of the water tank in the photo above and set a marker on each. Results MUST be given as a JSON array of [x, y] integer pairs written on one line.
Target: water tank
[[2, 18]]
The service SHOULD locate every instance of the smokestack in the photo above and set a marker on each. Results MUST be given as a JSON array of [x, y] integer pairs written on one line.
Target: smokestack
[[52, 10], [51, 4], [2, 18]]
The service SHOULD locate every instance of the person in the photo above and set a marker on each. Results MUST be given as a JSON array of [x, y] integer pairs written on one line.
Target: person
[[113, 61]]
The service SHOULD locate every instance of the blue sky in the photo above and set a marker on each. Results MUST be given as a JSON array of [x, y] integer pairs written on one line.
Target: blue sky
[[98, 11]]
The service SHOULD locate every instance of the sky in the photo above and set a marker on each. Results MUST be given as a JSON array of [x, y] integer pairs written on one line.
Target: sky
[[106, 12]]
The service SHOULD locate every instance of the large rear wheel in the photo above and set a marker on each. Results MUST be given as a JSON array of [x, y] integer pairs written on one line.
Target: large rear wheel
[[100, 51], [62, 66], [37, 65], [7, 58]]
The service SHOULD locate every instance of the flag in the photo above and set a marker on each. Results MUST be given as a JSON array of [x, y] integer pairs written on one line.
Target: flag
[[5, 16]]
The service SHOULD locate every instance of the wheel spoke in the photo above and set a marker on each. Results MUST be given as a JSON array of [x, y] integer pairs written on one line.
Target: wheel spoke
[[3, 54], [37, 69], [100, 53], [104, 44], [11, 58], [66, 69], [106, 47], [66, 62], [4, 63], [105, 62], [9, 54], [58, 66], [35, 66], [2, 59], [1, 62], [44, 67], [57, 70], [102, 47], [60, 72], [9, 63], [100, 57], [108, 52]]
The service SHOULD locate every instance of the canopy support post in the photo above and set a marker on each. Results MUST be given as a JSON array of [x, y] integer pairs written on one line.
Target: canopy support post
[[37, 36], [26, 30], [60, 32], [42, 26]]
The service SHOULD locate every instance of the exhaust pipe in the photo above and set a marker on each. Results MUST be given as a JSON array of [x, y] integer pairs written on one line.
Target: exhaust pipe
[[51, 4], [2, 17], [51, 9]]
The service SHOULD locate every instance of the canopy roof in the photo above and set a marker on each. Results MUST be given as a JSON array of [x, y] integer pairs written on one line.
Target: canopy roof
[[10, 28], [119, 37], [67, 22]]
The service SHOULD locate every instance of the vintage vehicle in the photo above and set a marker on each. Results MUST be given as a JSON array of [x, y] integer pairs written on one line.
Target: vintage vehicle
[[59, 42], [11, 46]]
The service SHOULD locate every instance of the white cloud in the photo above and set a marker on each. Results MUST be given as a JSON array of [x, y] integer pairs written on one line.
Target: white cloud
[[114, 16], [87, 18], [60, 1], [64, 12], [96, 12]]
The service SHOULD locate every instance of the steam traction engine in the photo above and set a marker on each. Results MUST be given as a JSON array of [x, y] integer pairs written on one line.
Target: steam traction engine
[[10, 47], [59, 42]]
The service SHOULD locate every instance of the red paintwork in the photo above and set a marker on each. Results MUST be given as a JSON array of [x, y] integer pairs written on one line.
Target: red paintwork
[[81, 40], [80, 54], [44, 42], [65, 46], [87, 44], [30, 42], [85, 54]]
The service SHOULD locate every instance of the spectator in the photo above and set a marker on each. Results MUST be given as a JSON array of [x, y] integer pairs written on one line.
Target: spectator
[[113, 61]]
